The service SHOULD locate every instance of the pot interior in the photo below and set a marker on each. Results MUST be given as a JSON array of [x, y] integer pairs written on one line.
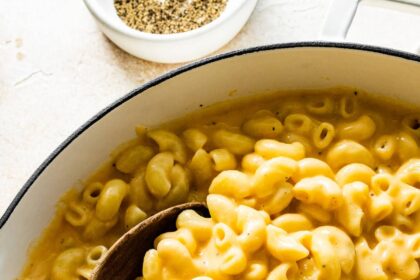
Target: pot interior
[[265, 70]]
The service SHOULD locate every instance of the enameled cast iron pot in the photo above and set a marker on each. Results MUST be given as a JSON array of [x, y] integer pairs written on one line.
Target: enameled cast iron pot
[[252, 71]]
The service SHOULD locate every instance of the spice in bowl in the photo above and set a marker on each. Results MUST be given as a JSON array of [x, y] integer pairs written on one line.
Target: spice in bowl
[[168, 16]]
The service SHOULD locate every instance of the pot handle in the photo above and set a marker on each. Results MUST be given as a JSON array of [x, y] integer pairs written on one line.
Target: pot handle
[[340, 17]]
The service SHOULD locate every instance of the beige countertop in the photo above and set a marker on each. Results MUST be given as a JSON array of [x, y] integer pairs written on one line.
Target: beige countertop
[[57, 70]]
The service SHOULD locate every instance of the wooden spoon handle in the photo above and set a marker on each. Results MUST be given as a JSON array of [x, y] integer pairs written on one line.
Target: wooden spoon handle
[[124, 260]]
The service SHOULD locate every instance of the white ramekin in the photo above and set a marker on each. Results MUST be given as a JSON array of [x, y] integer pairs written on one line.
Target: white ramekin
[[172, 48]]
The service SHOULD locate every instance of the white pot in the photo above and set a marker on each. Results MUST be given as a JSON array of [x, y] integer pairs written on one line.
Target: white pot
[[258, 70]]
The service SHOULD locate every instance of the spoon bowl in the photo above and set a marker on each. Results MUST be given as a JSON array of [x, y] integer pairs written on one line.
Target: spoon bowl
[[124, 260]]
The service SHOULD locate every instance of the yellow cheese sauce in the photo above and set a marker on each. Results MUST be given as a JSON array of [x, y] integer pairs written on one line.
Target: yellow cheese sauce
[[332, 173]]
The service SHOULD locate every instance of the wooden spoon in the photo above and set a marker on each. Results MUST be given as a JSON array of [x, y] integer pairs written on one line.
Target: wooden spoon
[[124, 260]]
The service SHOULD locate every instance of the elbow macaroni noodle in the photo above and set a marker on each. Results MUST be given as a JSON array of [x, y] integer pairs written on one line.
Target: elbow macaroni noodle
[[308, 187]]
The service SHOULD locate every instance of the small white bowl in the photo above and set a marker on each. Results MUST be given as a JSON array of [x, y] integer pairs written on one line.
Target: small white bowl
[[177, 47]]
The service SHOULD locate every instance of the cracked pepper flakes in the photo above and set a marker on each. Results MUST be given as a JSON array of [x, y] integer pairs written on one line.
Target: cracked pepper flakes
[[168, 16]]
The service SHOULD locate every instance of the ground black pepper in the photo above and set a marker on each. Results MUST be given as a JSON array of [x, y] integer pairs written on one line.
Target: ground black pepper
[[168, 16]]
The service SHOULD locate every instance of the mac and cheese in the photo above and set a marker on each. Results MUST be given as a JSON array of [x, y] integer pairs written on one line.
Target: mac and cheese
[[299, 187]]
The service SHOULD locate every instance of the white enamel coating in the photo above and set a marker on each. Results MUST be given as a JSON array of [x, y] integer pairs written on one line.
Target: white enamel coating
[[248, 74], [172, 48]]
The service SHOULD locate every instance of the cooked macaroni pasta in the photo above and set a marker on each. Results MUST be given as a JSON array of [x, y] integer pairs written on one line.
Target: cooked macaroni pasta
[[303, 187]]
